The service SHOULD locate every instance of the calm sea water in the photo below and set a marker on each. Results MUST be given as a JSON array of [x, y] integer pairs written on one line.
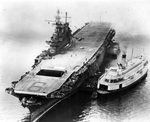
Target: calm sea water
[[128, 106]]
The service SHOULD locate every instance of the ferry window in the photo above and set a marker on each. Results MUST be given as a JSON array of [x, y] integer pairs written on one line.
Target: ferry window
[[113, 70], [51, 73], [120, 79], [114, 81], [140, 71], [145, 63], [131, 77], [106, 80]]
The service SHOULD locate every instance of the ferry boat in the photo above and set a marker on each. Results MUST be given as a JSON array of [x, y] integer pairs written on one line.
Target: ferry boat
[[123, 76], [60, 70]]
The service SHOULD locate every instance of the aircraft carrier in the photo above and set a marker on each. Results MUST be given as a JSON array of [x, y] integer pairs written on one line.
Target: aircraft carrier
[[60, 70]]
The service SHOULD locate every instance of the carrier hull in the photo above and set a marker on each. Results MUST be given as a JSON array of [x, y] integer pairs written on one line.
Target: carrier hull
[[92, 65], [75, 63]]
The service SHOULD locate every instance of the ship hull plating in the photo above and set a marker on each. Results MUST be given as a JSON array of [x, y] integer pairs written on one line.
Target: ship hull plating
[[56, 78], [88, 69], [39, 111]]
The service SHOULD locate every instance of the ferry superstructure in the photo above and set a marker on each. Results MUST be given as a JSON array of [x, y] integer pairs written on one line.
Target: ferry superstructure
[[123, 76]]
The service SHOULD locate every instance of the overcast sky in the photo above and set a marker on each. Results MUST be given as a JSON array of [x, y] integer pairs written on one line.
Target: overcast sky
[[24, 19]]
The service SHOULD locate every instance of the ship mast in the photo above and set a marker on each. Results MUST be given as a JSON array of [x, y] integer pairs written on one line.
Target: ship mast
[[62, 35], [57, 19], [132, 53], [66, 17]]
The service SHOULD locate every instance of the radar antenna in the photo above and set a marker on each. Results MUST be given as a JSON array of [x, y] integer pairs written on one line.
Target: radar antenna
[[57, 19], [66, 17]]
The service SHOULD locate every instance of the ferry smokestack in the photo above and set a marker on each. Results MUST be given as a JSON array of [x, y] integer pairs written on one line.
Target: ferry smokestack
[[124, 60]]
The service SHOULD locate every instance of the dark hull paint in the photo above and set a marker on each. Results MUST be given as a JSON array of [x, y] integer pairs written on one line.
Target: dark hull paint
[[38, 111], [102, 38]]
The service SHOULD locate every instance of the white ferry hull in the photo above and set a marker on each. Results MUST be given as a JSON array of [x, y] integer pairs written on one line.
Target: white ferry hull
[[123, 88], [139, 73]]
